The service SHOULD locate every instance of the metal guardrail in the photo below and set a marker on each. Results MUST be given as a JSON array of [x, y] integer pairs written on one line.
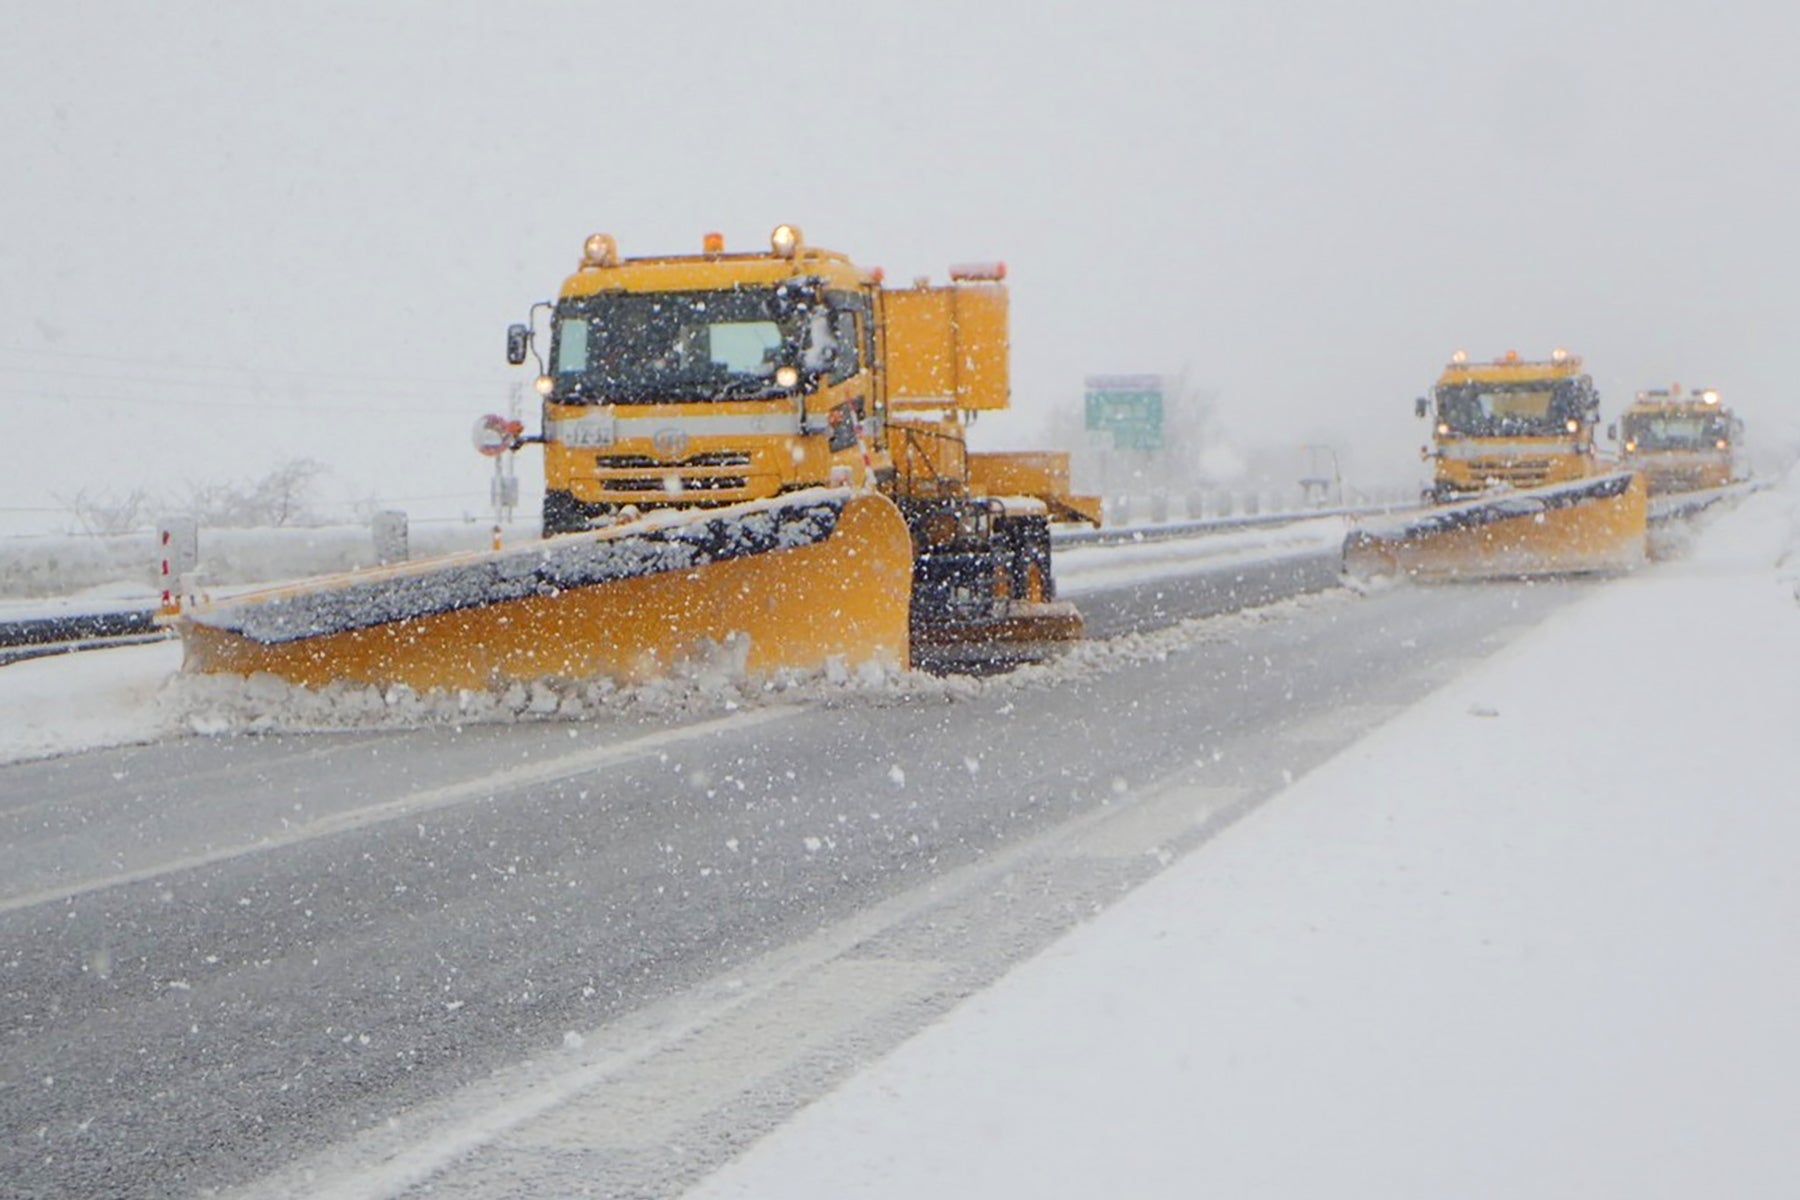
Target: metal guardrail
[[22, 653], [1173, 530], [71, 627]]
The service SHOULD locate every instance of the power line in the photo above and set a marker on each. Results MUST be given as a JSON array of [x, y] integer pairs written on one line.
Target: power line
[[256, 406], [180, 365]]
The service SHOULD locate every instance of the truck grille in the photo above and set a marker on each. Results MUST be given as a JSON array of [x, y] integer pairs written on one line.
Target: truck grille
[[689, 483], [1529, 472], [645, 476], [645, 462]]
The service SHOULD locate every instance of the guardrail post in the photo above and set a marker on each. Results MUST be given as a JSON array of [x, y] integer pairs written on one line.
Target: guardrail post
[[178, 555], [389, 530]]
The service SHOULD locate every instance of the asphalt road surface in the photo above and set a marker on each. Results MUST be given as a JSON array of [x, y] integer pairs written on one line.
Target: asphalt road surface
[[598, 957]]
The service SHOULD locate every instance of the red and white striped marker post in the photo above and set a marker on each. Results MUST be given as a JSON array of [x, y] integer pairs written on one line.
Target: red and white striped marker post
[[178, 551]]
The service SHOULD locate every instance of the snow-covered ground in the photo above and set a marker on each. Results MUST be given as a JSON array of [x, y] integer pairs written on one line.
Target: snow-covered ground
[[1536, 937]]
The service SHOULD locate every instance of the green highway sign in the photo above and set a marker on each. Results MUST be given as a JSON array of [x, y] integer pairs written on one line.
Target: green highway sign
[[1130, 407]]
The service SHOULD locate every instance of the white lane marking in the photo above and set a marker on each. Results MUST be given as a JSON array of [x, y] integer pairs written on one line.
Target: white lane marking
[[518, 1111], [1150, 826], [732, 1058], [483, 787], [1342, 724]]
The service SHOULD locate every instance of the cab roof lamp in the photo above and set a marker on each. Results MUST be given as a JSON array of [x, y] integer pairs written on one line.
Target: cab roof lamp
[[600, 250], [785, 241], [1460, 357], [1710, 396], [713, 243], [1559, 355], [1512, 356]]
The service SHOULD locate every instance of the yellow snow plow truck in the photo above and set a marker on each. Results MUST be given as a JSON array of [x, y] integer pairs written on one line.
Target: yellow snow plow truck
[[1518, 486], [1683, 441], [761, 455]]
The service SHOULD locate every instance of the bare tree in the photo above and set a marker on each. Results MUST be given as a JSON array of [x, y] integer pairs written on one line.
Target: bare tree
[[282, 497], [107, 513]]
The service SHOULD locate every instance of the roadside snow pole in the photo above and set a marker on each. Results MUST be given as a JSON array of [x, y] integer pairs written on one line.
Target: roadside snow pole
[[178, 555]]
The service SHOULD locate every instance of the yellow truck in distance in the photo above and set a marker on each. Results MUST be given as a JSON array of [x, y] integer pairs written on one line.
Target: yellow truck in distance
[[1511, 423], [1683, 441]]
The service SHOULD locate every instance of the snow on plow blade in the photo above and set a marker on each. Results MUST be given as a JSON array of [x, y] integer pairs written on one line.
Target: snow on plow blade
[[804, 579], [1591, 525]]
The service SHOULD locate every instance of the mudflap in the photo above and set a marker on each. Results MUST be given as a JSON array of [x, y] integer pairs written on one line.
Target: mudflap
[[791, 583], [1596, 525]]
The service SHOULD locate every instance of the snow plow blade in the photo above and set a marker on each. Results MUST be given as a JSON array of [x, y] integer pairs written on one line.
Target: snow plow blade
[[1028, 632], [1591, 525], [791, 583]]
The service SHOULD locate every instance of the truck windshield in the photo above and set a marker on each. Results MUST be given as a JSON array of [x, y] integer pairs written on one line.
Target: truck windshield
[[1675, 432], [1517, 410], [644, 348]]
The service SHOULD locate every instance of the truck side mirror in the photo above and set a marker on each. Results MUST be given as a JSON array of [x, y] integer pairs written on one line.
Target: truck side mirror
[[518, 340], [1421, 406]]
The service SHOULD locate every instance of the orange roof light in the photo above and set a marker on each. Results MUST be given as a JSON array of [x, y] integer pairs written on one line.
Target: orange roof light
[[1512, 356], [713, 243], [994, 271]]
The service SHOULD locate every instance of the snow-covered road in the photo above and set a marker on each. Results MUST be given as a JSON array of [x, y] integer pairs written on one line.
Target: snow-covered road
[[1535, 937]]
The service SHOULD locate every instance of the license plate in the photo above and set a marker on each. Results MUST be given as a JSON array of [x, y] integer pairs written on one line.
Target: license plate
[[588, 433]]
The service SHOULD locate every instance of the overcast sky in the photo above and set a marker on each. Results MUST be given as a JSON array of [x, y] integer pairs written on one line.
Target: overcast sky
[[235, 235]]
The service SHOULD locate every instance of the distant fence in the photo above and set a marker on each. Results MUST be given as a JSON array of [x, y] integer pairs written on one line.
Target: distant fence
[[37, 566]]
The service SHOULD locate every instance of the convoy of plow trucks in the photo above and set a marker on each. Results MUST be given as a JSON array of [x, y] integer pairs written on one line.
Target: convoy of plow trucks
[[764, 456], [1519, 487]]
